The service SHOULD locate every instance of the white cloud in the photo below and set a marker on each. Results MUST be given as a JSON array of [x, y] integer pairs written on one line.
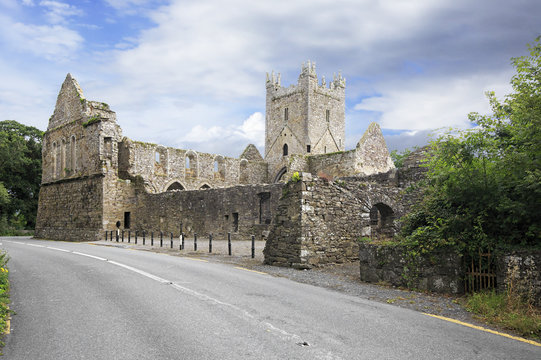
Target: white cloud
[[434, 103], [54, 42], [57, 12]]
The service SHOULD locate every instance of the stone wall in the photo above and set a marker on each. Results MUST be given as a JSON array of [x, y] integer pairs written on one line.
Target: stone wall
[[243, 210], [521, 271], [441, 271], [71, 210], [317, 223], [161, 167]]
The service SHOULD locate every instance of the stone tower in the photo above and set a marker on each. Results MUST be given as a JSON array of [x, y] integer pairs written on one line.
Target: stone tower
[[306, 119]]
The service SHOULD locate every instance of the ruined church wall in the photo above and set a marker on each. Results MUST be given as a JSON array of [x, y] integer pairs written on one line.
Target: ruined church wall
[[243, 210], [160, 166], [317, 223], [71, 209]]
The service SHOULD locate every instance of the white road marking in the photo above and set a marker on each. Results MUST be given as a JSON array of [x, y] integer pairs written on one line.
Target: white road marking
[[140, 272], [35, 245], [53, 248], [90, 256]]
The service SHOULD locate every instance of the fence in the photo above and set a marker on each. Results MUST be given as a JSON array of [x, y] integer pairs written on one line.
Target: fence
[[481, 274], [140, 238]]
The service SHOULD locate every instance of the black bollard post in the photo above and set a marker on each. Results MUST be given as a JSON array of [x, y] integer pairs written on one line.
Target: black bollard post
[[181, 227], [122, 235], [144, 233], [161, 238], [229, 243], [171, 240], [194, 241], [105, 235], [182, 243], [129, 236], [152, 238], [253, 246], [117, 236], [210, 243], [111, 235], [135, 237]]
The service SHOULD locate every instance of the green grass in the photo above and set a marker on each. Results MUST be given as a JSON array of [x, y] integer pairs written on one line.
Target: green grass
[[4, 294], [507, 310]]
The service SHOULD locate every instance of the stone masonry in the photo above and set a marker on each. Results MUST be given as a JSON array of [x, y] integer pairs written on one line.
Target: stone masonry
[[95, 178]]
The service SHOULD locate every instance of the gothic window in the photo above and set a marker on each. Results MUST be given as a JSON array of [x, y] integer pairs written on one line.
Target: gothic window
[[285, 150], [157, 157], [73, 154], [187, 162], [54, 159], [219, 167], [191, 164], [328, 115], [176, 186], [63, 158], [243, 171], [286, 114]]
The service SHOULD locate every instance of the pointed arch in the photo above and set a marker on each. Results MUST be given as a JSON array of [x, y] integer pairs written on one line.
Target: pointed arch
[[285, 150], [174, 185], [280, 174]]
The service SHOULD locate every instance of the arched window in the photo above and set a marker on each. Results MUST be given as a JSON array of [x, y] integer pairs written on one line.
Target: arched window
[[176, 186], [63, 158], [187, 162], [191, 164], [73, 154], [54, 159], [382, 221], [285, 149], [219, 168]]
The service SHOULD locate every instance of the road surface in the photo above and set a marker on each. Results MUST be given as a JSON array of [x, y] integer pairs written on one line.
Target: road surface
[[80, 301]]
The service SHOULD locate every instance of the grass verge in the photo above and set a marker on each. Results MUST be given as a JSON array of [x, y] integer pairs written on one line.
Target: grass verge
[[507, 310], [4, 295]]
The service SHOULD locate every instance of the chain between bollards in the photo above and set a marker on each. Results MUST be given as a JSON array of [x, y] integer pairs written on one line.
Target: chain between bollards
[[253, 246]]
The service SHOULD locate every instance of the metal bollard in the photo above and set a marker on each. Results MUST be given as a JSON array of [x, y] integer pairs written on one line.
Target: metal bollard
[[194, 241], [122, 235], [253, 246], [171, 240], [117, 236], [210, 243], [229, 243], [144, 237], [105, 235], [182, 243], [111, 235], [129, 236], [161, 238], [135, 237], [152, 238]]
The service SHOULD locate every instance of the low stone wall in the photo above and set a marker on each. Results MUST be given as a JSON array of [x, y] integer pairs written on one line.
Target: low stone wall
[[521, 271], [440, 272]]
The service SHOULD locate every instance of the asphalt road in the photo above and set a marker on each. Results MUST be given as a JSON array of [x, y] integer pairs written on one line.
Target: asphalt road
[[79, 301]]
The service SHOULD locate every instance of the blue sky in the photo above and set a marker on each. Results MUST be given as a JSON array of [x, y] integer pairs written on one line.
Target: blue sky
[[191, 74]]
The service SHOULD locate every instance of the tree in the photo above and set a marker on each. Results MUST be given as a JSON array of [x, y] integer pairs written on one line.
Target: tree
[[484, 184], [20, 171]]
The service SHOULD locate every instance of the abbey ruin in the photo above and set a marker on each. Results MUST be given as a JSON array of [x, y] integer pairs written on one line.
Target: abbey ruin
[[93, 178]]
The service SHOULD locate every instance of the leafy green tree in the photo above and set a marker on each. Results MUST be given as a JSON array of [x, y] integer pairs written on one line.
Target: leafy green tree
[[484, 184], [20, 172], [399, 157]]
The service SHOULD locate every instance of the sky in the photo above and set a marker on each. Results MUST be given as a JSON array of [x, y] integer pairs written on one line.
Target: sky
[[191, 74]]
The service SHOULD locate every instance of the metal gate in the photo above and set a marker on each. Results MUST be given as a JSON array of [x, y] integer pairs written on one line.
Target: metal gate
[[480, 274]]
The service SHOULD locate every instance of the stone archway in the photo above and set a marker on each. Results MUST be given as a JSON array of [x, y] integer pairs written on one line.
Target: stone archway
[[280, 174], [382, 225]]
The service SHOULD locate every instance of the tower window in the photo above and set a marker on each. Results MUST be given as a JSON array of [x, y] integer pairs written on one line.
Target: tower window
[[285, 149], [286, 114], [308, 148], [328, 115]]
